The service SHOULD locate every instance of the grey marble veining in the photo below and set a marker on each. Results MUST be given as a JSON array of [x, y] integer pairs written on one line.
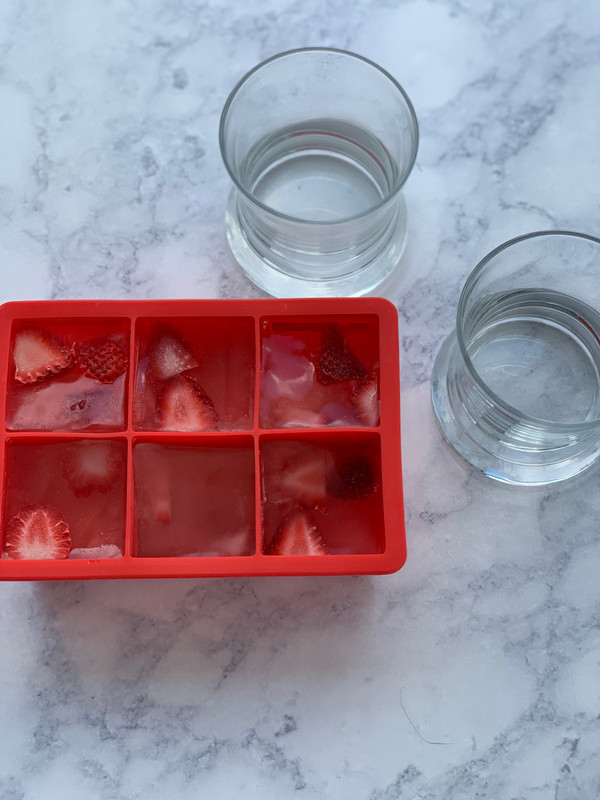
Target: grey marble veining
[[474, 672]]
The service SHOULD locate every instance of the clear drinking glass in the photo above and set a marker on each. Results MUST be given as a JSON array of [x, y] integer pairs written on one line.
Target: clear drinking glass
[[318, 143], [516, 388]]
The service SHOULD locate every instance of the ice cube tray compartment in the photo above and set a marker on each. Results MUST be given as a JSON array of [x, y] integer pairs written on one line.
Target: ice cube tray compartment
[[194, 499], [335, 480], [219, 353], [143, 501], [296, 386], [77, 401], [84, 478]]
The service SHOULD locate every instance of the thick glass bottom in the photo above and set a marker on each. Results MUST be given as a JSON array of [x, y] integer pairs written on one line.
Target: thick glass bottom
[[505, 449], [282, 279]]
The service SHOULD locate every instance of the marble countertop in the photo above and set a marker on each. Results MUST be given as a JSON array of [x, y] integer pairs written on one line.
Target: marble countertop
[[474, 672]]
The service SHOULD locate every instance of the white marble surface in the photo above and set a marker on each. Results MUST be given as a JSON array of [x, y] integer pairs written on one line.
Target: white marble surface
[[474, 672]]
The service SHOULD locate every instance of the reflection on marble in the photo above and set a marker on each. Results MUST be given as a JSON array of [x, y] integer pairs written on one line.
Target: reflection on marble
[[474, 671]]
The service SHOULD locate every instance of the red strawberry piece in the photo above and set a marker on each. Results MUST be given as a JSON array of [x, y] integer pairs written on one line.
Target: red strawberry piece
[[365, 400], [298, 536], [305, 480], [104, 359], [183, 405], [91, 466], [170, 355], [36, 356], [37, 533], [353, 479], [335, 361]]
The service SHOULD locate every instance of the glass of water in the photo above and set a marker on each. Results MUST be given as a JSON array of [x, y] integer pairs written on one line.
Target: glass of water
[[318, 143], [516, 388]]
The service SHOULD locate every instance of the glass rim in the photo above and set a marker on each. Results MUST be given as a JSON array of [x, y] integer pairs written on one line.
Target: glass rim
[[539, 422], [297, 51]]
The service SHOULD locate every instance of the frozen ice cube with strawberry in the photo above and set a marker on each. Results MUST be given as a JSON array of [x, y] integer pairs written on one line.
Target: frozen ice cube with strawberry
[[169, 394], [37, 355], [183, 405], [36, 533], [67, 382], [332, 486], [314, 378], [104, 358], [298, 535]]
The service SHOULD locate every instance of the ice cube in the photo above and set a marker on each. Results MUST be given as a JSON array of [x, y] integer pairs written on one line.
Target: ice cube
[[84, 479], [193, 500], [286, 371], [337, 481], [316, 381], [75, 405]]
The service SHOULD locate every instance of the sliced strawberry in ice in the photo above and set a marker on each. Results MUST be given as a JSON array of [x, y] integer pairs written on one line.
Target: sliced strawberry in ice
[[37, 533], [104, 359], [170, 355], [298, 536], [335, 361], [91, 466], [305, 480], [365, 400], [353, 479], [36, 356], [183, 405]]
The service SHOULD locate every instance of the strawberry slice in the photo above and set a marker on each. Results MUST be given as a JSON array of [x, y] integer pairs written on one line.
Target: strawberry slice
[[183, 405], [104, 359], [39, 532], [365, 400], [353, 479], [335, 361], [36, 356], [91, 466], [298, 536], [170, 355], [305, 480]]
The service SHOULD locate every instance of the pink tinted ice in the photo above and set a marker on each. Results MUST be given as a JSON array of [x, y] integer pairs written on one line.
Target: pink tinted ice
[[291, 395], [206, 365], [193, 501], [287, 373], [92, 466], [56, 404]]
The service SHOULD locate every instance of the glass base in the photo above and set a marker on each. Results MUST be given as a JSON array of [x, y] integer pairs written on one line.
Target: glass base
[[278, 282], [500, 460]]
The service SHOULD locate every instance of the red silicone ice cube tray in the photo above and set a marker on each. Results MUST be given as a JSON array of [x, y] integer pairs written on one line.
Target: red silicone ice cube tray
[[195, 438]]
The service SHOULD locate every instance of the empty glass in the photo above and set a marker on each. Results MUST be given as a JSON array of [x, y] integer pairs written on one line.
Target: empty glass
[[318, 143], [516, 388]]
